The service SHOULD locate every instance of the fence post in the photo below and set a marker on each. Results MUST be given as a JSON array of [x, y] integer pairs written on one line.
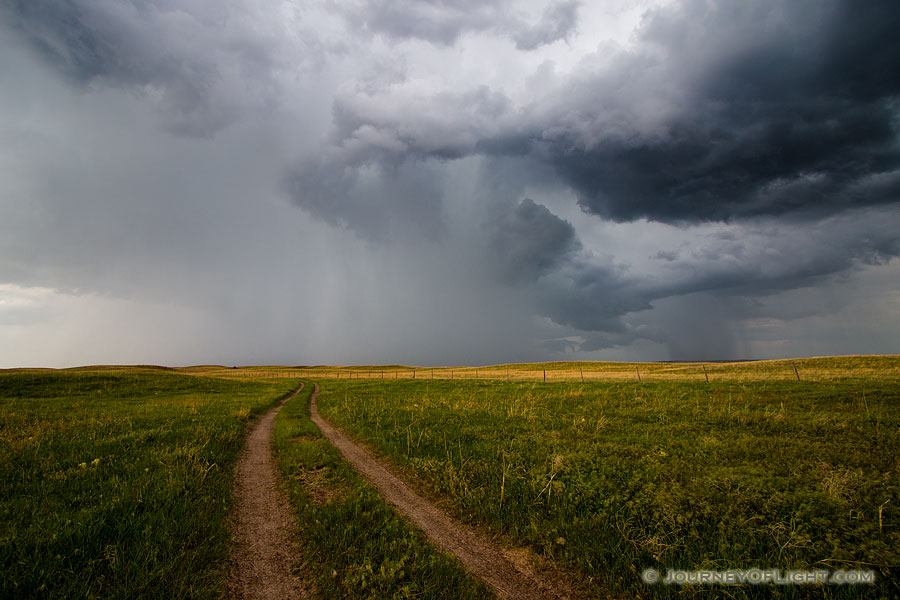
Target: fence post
[[580, 372], [796, 374], [638, 371], [545, 375], [705, 373]]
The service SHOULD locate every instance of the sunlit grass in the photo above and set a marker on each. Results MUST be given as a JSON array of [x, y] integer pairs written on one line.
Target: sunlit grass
[[858, 368]]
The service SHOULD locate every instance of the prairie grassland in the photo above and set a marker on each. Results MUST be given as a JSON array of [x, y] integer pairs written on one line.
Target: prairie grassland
[[608, 478], [353, 544], [115, 482], [807, 369]]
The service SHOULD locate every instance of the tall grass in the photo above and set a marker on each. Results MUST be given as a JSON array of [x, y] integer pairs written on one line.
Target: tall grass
[[115, 483]]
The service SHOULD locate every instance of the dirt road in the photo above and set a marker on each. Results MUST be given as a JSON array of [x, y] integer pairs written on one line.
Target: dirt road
[[265, 545], [479, 555]]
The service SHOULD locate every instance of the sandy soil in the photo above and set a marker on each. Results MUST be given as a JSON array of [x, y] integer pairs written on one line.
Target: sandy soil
[[504, 570], [265, 543]]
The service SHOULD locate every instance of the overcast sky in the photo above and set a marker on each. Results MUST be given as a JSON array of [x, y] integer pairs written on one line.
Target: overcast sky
[[447, 181]]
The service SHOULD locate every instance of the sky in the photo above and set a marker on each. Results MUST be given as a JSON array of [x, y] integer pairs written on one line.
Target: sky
[[437, 182]]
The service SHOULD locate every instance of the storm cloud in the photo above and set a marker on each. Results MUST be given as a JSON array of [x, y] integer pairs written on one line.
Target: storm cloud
[[446, 182], [785, 108], [721, 111], [444, 21], [200, 63], [529, 241]]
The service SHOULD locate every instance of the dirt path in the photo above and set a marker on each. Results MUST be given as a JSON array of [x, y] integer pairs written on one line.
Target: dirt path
[[479, 555], [265, 545]]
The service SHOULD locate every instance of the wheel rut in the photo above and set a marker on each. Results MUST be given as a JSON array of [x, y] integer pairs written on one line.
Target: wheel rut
[[481, 557], [265, 546]]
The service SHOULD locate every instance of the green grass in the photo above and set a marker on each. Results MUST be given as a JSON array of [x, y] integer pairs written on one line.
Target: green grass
[[609, 478], [115, 482], [354, 545]]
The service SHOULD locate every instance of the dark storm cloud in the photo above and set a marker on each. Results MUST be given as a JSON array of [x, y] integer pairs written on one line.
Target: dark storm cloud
[[734, 121], [732, 112], [442, 22], [529, 241], [686, 147], [771, 257], [592, 297], [377, 201], [721, 111], [188, 57], [779, 108], [375, 175], [718, 269]]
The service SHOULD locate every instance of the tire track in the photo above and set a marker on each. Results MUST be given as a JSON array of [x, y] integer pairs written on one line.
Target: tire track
[[478, 554], [265, 543]]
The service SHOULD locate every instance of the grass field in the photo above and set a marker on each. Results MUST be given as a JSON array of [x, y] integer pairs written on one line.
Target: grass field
[[353, 544], [115, 482], [613, 476], [805, 369]]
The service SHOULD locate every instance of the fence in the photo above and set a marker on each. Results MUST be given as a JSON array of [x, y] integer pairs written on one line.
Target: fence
[[809, 369], [639, 373]]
